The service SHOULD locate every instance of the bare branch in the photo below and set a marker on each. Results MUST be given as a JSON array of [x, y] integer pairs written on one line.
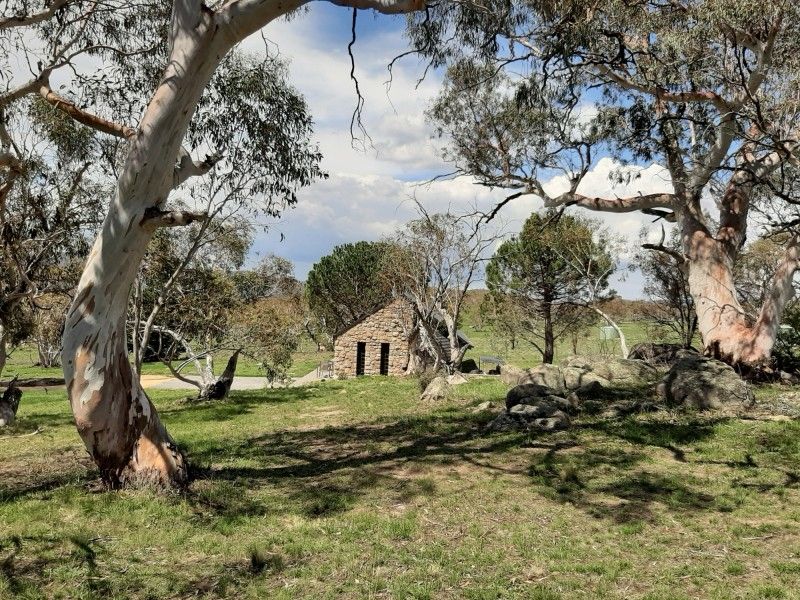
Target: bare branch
[[85, 117], [617, 205]]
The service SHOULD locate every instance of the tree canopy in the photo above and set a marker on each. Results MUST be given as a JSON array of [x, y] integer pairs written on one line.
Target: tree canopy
[[533, 277], [348, 284], [706, 88]]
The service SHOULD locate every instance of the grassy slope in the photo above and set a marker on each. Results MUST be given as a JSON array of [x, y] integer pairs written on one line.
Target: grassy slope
[[355, 490]]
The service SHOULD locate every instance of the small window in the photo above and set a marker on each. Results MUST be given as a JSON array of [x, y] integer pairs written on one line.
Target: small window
[[384, 359], [361, 355]]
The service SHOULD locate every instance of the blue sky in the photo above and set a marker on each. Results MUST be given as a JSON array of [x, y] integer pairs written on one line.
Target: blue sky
[[368, 193]]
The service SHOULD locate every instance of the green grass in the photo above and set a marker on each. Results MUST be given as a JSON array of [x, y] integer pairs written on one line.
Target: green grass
[[354, 489], [524, 354], [23, 363]]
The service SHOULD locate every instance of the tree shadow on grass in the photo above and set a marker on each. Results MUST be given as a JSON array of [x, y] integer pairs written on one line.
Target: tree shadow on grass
[[240, 402], [24, 561], [323, 471], [615, 483]]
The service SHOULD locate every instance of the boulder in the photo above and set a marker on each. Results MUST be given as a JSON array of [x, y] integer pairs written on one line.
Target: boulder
[[594, 388], [543, 414], [576, 378], [552, 403], [510, 375], [622, 370], [628, 371], [505, 422], [437, 389], [547, 375], [532, 411], [558, 420], [527, 390], [663, 354], [456, 379], [577, 362], [704, 383]]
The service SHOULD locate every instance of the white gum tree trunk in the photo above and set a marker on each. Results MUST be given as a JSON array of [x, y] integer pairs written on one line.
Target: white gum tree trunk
[[116, 420], [728, 332]]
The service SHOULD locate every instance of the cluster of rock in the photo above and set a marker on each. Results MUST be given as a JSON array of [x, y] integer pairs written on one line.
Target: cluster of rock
[[577, 373], [543, 398]]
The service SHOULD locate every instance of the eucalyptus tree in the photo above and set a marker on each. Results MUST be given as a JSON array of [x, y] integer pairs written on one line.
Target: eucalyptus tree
[[162, 63], [707, 88]]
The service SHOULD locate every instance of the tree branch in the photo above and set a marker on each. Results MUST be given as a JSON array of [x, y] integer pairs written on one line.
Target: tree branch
[[616, 205], [240, 18], [155, 217], [85, 117], [24, 20], [188, 167]]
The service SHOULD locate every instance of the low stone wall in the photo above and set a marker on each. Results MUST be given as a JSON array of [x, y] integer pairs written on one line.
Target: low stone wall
[[385, 326]]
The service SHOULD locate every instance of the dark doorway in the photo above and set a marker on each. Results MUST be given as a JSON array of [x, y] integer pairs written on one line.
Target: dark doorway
[[384, 359], [361, 355]]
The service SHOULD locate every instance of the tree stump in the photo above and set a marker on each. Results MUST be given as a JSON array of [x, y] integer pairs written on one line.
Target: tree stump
[[9, 403]]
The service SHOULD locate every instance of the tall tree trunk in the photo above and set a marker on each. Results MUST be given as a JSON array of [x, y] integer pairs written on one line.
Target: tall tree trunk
[[549, 338], [116, 420], [728, 333]]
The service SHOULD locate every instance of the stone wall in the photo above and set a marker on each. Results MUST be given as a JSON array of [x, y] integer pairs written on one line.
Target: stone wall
[[386, 326]]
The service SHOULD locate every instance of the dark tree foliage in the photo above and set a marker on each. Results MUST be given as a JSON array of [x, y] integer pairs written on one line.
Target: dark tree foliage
[[531, 277], [348, 284]]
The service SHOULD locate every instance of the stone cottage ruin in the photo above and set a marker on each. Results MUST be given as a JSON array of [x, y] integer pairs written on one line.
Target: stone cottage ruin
[[379, 343]]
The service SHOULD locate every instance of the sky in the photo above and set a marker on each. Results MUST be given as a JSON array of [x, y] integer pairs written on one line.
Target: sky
[[369, 192]]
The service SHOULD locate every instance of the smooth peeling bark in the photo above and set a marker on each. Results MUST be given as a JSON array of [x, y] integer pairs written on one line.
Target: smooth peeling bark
[[116, 420], [729, 333]]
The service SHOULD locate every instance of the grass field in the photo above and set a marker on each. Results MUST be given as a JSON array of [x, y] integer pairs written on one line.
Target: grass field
[[307, 358], [23, 363], [354, 489]]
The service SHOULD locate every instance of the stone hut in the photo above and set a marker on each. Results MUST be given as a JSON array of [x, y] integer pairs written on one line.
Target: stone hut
[[377, 344]]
